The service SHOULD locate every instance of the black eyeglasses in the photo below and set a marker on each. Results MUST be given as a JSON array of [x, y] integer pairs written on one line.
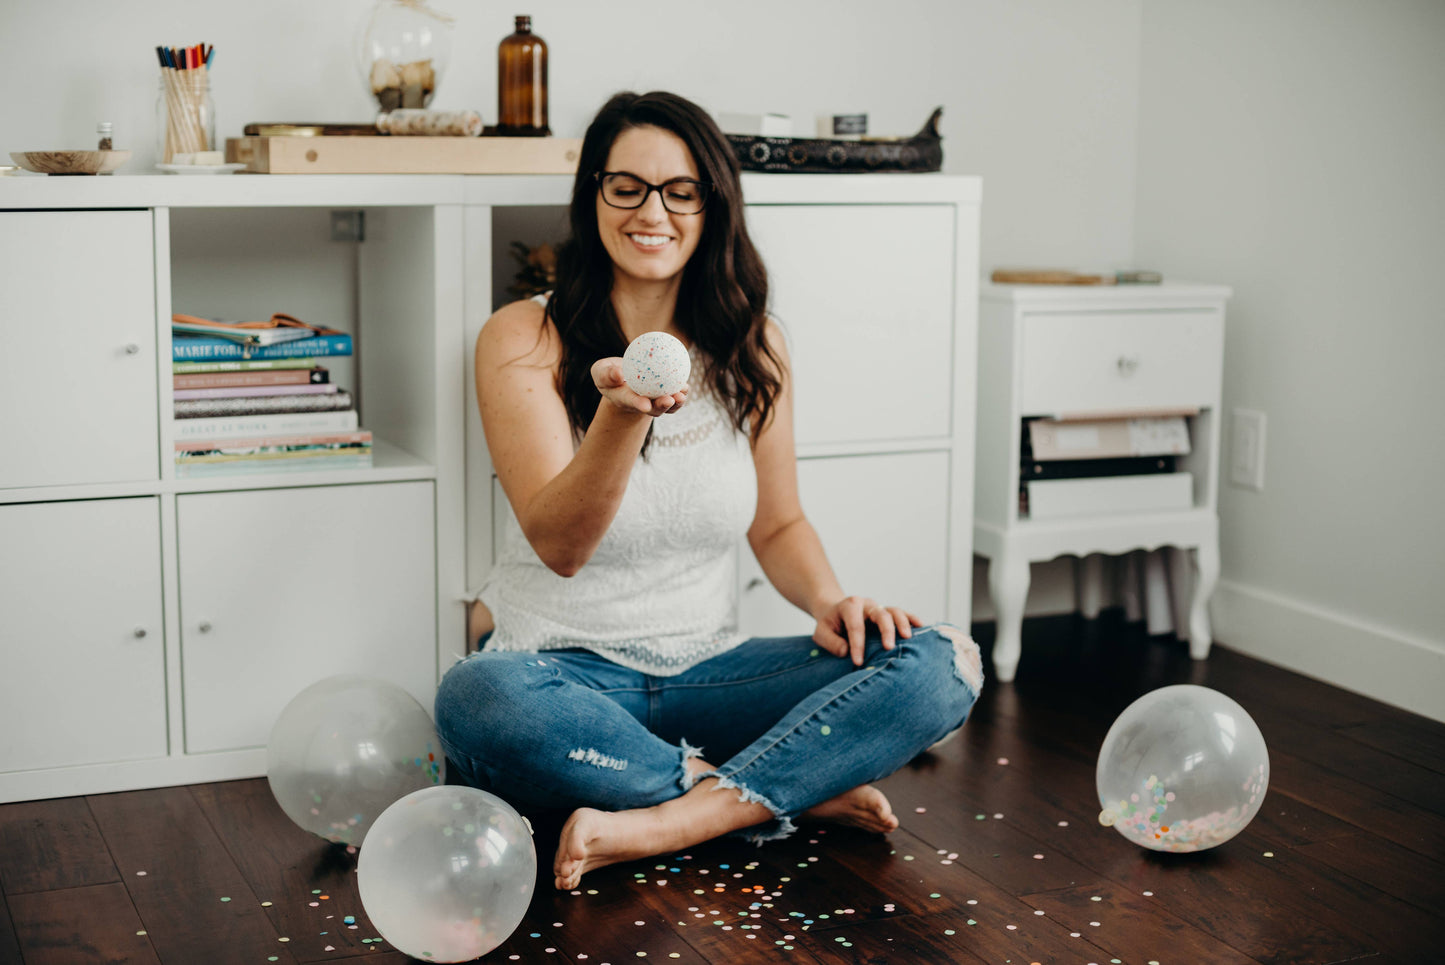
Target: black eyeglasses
[[679, 195]]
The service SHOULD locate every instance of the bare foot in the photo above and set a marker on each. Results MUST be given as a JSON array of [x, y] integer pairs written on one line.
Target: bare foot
[[863, 807], [595, 839]]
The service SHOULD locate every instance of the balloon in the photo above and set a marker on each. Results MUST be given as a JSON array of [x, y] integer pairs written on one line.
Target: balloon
[[344, 749], [447, 873], [1184, 768]]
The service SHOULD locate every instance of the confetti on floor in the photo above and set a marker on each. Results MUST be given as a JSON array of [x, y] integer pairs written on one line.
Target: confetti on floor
[[744, 922]]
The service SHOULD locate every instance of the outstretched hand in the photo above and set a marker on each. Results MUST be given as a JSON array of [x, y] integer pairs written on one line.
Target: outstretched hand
[[607, 375], [842, 628]]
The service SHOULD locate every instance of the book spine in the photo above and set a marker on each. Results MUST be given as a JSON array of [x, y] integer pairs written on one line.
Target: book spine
[[225, 380], [314, 464], [254, 391], [243, 336], [261, 405], [1093, 468], [272, 454], [201, 348], [362, 436], [244, 365], [223, 427]]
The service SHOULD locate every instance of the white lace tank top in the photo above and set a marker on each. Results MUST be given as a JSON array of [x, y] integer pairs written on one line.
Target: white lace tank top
[[659, 593]]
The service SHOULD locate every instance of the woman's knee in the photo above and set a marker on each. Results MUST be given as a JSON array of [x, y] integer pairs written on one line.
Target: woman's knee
[[950, 668], [485, 691], [944, 647]]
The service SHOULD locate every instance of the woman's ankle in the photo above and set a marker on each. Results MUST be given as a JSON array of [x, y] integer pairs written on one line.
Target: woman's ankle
[[712, 811]]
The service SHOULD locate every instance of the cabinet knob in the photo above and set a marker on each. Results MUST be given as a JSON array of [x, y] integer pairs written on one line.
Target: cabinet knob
[[205, 626], [1127, 364], [131, 348], [753, 584], [139, 633]]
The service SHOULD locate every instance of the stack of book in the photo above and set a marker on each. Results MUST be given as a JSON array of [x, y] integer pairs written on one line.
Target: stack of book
[[1110, 465], [251, 399]]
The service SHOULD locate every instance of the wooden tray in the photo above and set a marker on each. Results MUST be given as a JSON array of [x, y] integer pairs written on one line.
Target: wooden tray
[[405, 155]]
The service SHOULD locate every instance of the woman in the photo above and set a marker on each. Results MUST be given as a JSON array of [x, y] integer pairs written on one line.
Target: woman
[[613, 681]]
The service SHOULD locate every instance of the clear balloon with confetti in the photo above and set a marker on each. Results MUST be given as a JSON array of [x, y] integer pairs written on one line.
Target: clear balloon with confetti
[[447, 873], [1183, 768], [346, 748]]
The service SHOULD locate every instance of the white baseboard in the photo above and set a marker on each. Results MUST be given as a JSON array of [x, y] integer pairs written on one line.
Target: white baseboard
[[1339, 649], [131, 775]]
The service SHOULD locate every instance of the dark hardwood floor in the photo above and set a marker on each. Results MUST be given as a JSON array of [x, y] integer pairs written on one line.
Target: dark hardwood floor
[[999, 859]]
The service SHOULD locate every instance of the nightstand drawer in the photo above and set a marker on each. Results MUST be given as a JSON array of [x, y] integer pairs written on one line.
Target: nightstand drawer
[[1090, 362]]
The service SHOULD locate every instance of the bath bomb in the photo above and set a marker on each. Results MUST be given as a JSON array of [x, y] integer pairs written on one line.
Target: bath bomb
[[656, 364]]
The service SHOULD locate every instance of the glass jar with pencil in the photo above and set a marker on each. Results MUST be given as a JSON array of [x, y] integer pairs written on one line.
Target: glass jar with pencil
[[185, 113]]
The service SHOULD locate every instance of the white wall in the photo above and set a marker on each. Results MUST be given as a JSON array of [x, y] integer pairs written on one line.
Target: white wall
[[1295, 150], [1039, 97]]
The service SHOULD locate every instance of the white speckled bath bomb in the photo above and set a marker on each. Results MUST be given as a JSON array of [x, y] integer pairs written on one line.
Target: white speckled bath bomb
[[656, 364]]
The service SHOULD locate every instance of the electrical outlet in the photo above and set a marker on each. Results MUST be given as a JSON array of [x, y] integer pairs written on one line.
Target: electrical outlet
[[348, 226], [1246, 450]]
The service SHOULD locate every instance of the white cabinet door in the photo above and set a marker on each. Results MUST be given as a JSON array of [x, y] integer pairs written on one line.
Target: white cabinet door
[[281, 588], [865, 295], [77, 348], [82, 648], [883, 523]]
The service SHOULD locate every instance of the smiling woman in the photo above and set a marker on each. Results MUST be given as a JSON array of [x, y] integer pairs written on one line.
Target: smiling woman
[[612, 662], [660, 222]]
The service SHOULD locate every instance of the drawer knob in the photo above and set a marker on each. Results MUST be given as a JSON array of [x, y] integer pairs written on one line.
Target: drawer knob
[[131, 348], [205, 626], [1127, 364], [139, 633], [753, 584]]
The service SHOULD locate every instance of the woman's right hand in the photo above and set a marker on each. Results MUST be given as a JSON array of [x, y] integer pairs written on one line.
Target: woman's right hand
[[607, 375]]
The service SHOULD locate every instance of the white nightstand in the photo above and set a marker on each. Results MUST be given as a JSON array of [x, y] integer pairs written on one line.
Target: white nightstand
[[1065, 352]]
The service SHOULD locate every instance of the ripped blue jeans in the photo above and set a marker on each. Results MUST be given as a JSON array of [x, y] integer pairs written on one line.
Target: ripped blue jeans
[[784, 722]]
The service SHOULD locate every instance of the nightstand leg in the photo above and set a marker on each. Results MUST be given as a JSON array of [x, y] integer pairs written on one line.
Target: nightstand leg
[[1131, 586], [1089, 585], [1008, 584], [1180, 565], [1206, 575]]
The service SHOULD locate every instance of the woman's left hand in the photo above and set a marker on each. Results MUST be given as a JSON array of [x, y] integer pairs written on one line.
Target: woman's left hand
[[842, 627]]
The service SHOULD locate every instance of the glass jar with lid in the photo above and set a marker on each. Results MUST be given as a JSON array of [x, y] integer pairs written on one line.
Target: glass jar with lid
[[405, 47]]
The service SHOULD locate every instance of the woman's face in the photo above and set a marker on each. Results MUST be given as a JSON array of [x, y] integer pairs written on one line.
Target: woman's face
[[649, 243]]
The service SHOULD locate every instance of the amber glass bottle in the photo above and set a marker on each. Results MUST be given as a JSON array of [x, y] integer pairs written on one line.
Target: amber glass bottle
[[522, 83]]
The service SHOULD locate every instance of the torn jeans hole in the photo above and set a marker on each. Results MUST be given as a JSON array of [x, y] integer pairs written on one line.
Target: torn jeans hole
[[596, 759], [689, 777], [967, 666], [967, 660]]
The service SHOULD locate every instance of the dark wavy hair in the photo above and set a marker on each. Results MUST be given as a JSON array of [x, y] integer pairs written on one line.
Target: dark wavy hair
[[722, 299]]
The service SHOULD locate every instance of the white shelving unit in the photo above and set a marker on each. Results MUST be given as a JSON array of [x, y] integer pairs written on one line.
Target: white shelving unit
[[151, 627], [1109, 351]]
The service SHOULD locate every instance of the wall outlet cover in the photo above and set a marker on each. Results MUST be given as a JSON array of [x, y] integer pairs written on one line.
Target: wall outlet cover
[[348, 225], [1246, 449]]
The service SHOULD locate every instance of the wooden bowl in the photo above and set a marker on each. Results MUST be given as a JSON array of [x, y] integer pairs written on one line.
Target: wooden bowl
[[70, 162]]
